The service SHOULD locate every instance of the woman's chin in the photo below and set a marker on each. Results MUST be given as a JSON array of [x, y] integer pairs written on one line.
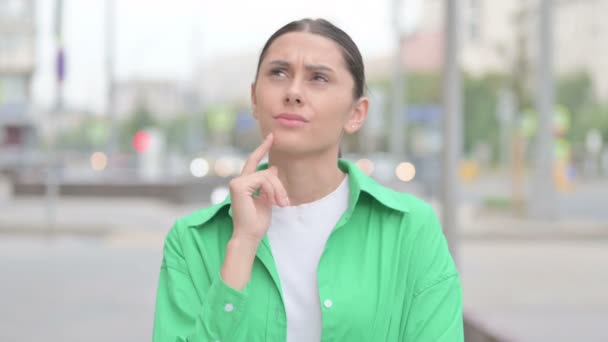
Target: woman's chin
[[290, 144], [289, 148]]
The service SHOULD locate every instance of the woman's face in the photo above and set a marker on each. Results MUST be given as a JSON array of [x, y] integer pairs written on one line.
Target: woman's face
[[304, 95]]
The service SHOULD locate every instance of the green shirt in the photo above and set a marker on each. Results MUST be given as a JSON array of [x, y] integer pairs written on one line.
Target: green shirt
[[386, 269]]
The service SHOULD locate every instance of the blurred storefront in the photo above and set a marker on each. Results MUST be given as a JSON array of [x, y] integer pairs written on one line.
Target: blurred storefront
[[17, 64]]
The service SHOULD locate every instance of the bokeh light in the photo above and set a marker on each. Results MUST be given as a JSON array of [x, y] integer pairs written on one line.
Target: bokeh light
[[405, 172], [199, 167], [224, 167], [99, 161], [219, 194], [141, 141], [366, 165]]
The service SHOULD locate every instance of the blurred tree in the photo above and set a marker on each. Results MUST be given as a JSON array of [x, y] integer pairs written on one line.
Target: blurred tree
[[424, 88], [575, 92], [520, 61], [176, 133], [89, 134], [141, 119], [591, 117], [481, 125]]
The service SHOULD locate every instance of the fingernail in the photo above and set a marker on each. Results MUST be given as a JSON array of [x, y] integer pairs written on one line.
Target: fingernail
[[285, 200]]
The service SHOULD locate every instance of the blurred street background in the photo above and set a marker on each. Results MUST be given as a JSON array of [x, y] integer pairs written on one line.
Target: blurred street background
[[118, 117]]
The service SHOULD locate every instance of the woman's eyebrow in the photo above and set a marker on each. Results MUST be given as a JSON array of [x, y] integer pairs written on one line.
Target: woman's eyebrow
[[309, 67], [279, 63], [319, 67]]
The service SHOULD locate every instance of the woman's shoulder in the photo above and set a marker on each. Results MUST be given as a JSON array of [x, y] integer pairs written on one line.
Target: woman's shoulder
[[418, 215], [402, 201], [203, 217], [200, 229]]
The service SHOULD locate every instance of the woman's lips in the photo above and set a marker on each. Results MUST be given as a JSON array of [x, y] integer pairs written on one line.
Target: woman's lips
[[291, 120]]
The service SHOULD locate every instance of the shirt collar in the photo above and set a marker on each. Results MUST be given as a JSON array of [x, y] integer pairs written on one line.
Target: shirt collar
[[358, 182]]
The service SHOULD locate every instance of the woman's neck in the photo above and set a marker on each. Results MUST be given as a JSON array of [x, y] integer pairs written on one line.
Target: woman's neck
[[307, 178]]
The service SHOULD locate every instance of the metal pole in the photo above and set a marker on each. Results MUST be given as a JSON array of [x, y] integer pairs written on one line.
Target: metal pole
[[452, 115], [506, 112], [52, 186], [193, 101], [110, 103], [543, 203], [60, 58], [397, 147]]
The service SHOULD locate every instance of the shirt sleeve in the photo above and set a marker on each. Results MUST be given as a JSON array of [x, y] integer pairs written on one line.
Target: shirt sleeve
[[435, 310], [184, 315]]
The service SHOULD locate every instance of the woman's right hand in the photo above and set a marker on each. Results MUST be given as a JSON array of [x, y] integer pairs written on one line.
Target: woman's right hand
[[251, 214]]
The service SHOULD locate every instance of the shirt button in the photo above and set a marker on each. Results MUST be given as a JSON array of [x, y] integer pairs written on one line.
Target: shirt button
[[228, 307], [328, 303]]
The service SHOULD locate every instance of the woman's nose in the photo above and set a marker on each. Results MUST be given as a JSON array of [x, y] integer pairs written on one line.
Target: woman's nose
[[293, 95], [293, 99]]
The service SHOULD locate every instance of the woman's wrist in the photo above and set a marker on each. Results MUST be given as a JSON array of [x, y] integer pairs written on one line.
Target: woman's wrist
[[238, 262], [243, 246], [244, 240]]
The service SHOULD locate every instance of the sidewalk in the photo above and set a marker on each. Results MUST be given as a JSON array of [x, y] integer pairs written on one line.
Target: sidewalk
[[102, 217], [476, 225], [536, 290], [523, 280], [96, 217]]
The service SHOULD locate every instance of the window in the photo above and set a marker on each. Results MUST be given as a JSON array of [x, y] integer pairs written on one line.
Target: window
[[13, 89], [473, 20], [12, 8]]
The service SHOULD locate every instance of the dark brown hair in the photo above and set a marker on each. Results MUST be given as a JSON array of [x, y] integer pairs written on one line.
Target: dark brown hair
[[350, 51]]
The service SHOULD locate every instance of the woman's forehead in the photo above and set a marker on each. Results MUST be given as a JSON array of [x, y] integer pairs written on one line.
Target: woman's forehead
[[305, 47]]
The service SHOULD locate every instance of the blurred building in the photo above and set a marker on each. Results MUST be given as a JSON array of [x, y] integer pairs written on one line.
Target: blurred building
[[17, 62], [163, 99], [227, 79], [498, 34], [496, 31], [581, 31], [488, 39]]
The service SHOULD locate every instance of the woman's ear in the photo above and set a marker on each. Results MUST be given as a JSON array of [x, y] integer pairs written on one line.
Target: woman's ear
[[357, 115], [253, 101]]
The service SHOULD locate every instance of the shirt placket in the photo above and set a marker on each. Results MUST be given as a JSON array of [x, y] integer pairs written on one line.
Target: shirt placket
[[327, 292], [276, 328]]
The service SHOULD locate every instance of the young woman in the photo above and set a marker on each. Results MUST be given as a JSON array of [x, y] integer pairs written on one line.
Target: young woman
[[307, 247]]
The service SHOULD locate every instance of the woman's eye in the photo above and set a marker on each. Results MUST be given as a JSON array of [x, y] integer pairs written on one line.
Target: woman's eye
[[277, 72], [320, 78]]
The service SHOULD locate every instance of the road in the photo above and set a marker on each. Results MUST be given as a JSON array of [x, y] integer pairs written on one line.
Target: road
[[538, 291], [77, 289], [103, 289]]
